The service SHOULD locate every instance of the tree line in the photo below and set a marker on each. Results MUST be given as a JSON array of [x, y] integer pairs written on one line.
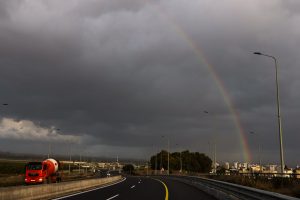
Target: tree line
[[188, 161]]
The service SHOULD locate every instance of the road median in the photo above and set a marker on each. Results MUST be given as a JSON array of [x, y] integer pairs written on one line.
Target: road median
[[49, 191]]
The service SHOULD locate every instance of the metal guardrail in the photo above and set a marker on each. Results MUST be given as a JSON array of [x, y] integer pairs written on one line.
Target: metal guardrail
[[234, 190]]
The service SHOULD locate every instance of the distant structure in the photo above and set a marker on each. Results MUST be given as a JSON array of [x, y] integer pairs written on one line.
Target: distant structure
[[269, 170]]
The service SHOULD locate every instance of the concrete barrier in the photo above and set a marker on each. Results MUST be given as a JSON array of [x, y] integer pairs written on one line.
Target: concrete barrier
[[49, 191]]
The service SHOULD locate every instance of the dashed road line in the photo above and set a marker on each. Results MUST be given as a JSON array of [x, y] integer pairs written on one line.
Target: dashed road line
[[132, 186], [113, 197], [71, 195]]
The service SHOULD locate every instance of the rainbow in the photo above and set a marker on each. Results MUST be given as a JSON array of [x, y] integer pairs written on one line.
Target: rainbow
[[218, 81]]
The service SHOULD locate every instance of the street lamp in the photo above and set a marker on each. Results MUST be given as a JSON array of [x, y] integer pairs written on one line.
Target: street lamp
[[168, 155], [278, 109], [155, 163], [214, 151], [70, 159], [259, 150], [180, 160], [161, 159], [50, 145], [155, 172]]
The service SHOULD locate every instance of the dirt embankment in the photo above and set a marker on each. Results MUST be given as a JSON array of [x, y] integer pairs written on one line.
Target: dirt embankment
[[286, 186]]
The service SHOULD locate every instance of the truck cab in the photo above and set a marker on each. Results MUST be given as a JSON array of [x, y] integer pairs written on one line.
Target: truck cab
[[42, 172], [35, 172]]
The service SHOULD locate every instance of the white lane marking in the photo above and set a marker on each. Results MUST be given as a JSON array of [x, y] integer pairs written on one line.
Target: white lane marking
[[71, 195], [112, 197], [132, 186]]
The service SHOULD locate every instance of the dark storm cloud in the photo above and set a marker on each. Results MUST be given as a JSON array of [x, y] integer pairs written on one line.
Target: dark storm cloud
[[6, 7], [121, 74], [96, 8], [292, 6]]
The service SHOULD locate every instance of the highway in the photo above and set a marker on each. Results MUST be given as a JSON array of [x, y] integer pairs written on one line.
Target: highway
[[158, 188]]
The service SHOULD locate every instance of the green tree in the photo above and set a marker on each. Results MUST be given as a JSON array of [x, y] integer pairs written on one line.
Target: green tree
[[128, 169], [191, 161], [162, 160]]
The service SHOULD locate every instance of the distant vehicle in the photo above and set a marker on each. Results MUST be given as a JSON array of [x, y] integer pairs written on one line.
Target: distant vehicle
[[107, 174], [42, 172]]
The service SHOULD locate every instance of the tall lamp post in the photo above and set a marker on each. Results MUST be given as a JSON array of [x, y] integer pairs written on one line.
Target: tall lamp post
[[155, 162], [161, 165], [259, 151], [278, 109], [180, 161], [168, 155], [155, 172], [214, 170]]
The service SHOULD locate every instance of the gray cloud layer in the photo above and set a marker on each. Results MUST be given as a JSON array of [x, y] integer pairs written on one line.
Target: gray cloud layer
[[123, 72]]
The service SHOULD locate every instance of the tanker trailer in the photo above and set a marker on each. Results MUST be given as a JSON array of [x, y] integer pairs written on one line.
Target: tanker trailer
[[42, 172]]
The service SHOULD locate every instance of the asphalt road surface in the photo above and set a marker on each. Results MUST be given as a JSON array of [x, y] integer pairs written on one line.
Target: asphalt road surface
[[179, 191], [143, 188]]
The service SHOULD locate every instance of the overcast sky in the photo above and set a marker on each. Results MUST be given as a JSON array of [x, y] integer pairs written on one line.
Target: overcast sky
[[111, 77]]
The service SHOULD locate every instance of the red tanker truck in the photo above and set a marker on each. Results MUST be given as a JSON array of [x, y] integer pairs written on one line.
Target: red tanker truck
[[42, 172]]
